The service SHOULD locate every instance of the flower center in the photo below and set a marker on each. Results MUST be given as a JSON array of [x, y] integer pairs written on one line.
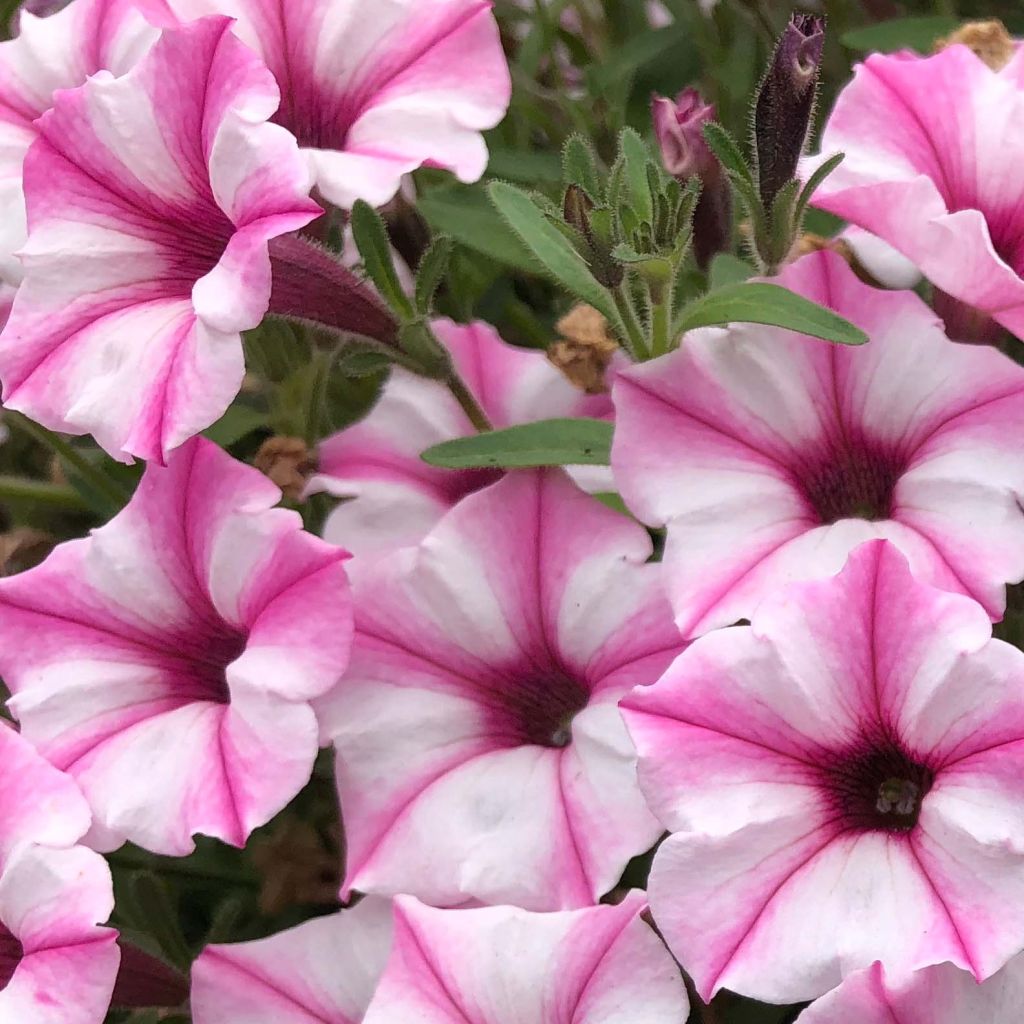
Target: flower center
[[11, 952], [877, 788], [854, 484], [536, 708]]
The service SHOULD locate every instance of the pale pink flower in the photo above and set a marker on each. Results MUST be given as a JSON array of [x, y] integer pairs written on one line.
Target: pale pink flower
[[151, 201], [373, 91], [842, 780], [57, 965], [935, 995], [59, 52], [324, 970], [503, 965], [480, 751], [770, 455], [396, 498], [933, 153], [166, 662]]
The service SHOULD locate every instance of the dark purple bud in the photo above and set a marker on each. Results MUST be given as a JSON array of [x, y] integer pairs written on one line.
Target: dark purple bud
[[785, 103], [679, 127], [143, 980]]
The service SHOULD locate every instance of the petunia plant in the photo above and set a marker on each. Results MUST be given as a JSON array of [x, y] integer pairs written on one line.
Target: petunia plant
[[511, 512]]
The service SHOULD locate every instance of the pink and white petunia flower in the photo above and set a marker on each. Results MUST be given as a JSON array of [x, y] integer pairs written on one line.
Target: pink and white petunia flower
[[374, 91], [57, 965], [933, 147], [503, 965], [167, 661], [842, 780], [324, 970], [480, 751], [935, 995], [151, 202], [395, 497], [59, 52], [770, 455]]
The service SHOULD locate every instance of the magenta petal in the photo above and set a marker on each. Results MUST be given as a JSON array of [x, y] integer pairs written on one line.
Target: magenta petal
[[485, 672], [167, 661], [769, 456], [502, 965]]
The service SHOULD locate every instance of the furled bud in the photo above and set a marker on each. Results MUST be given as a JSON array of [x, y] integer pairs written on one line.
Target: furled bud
[[679, 127], [785, 103]]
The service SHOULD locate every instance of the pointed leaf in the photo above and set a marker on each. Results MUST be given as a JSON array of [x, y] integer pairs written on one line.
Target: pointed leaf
[[551, 249], [431, 272], [757, 302], [371, 238], [562, 442], [637, 156], [725, 147], [579, 166]]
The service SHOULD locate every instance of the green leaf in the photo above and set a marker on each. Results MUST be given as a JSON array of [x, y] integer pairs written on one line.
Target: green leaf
[[371, 238], [152, 909], [640, 50], [579, 166], [551, 248], [636, 155], [728, 269], [761, 303], [465, 213], [577, 442], [431, 272], [729, 154], [530, 168], [236, 423], [900, 33], [823, 171]]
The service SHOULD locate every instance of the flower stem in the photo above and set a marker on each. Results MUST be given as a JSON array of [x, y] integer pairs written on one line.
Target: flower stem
[[635, 341], [470, 406], [19, 488], [90, 473]]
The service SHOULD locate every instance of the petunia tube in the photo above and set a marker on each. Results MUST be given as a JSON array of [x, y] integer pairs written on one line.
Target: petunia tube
[[395, 498], [323, 970], [167, 661], [374, 91], [933, 149], [57, 964], [770, 455], [152, 199], [842, 781], [935, 995], [480, 751], [59, 52], [503, 965]]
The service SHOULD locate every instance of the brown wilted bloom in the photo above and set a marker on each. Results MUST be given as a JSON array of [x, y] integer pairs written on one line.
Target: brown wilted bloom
[[288, 462], [295, 867], [988, 39], [23, 548], [809, 242], [586, 349]]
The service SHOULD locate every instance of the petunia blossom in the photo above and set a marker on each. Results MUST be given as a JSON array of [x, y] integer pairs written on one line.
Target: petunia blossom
[[503, 965], [935, 995], [59, 51], [57, 964], [933, 147], [373, 92], [323, 970], [167, 661], [151, 202], [480, 751], [842, 781], [395, 498], [770, 455]]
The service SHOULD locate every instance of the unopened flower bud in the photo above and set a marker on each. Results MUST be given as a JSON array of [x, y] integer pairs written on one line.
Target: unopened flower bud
[[785, 103], [679, 127]]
